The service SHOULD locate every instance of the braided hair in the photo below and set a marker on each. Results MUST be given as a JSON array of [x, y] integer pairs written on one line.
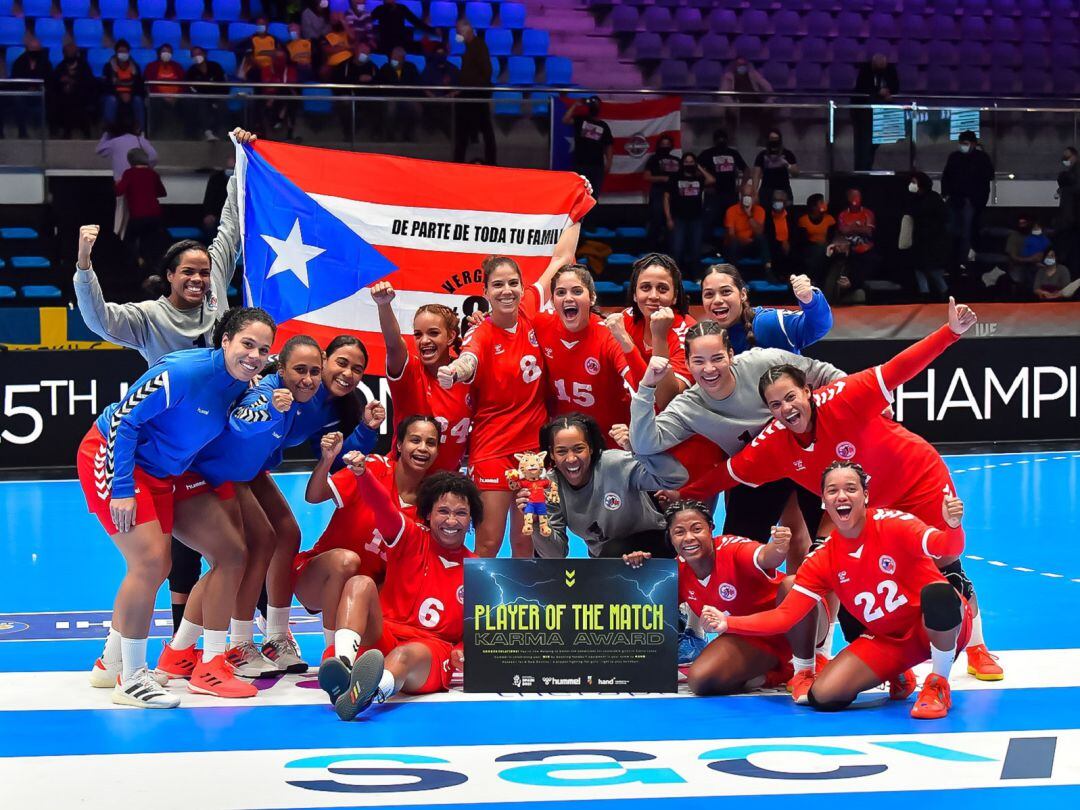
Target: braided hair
[[747, 314], [864, 476], [777, 373], [686, 505], [704, 329], [664, 262]]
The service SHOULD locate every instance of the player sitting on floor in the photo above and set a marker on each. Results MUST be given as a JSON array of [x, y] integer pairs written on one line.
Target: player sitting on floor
[[734, 575], [404, 634], [880, 563]]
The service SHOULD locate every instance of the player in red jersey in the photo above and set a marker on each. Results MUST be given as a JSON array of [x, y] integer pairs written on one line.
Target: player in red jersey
[[502, 359], [881, 563], [844, 420], [352, 546], [657, 320], [729, 575], [404, 636], [411, 372], [587, 370]]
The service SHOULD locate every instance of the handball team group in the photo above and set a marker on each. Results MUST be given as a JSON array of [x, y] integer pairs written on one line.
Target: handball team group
[[544, 415]]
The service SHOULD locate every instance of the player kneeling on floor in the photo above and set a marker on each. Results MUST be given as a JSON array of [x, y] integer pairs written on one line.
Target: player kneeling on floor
[[880, 563], [403, 637], [734, 575]]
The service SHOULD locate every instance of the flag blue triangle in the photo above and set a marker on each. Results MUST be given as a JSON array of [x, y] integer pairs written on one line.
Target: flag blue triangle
[[276, 210]]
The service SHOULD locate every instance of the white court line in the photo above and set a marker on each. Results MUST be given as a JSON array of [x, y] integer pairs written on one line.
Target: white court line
[[68, 691]]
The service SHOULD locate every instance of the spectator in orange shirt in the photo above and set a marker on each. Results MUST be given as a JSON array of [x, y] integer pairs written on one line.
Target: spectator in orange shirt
[[744, 224], [141, 186], [262, 45], [855, 225], [813, 236], [300, 52], [164, 69]]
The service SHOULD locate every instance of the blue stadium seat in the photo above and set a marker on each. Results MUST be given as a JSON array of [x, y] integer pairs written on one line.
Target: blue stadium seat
[[455, 61], [189, 9], [496, 69], [379, 59], [512, 15], [50, 30], [7, 8], [321, 107], [508, 102], [479, 14], [535, 42], [691, 287], [500, 41], [707, 74], [166, 31], [682, 46], [179, 233], [620, 260], [41, 291], [30, 263], [88, 33], [131, 30], [239, 31], [143, 56], [522, 70], [204, 34], [17, 233], [37, 8], [227, 60], [558, 71], [648, 45], [624, 19], [113, 9], [151, 9], [417, 60], [658, 19], [608, 288], [75, 8], [630, 232], [762, 286], [674, 74], [279, 31], [442, 14], [6, 292], [12, 30], [599, 232], [96, 59], [225, 10]]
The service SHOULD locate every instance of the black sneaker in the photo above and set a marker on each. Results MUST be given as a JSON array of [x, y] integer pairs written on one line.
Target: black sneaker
[[363, 684], [334, 677]]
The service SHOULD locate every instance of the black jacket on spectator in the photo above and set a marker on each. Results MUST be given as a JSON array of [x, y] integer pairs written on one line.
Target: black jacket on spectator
[[931, 241], [390, 26], [213, 72], [475, 67], [1069, 197], [34, 65], [405, 74], [352, 72], [868, 81], [968, 176]]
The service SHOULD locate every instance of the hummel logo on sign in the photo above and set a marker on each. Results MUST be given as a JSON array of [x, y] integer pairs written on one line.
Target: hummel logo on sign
[[570, 578]]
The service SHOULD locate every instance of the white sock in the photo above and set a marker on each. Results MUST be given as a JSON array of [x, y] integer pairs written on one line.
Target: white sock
[[242, 630], [825, 647], [693, 624], [328, 636], [277, 620], [387, 685], [213, 644], [187, 635], [976, 632], [133, 651], [802, 664], [346, 644], [111, 653], [941, 661]]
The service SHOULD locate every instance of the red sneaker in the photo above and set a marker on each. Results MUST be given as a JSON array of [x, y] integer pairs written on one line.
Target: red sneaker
[[934, 700], [328, 652], [178, 663], [215, 677], [799, 686], [901, 686], [982, 664]]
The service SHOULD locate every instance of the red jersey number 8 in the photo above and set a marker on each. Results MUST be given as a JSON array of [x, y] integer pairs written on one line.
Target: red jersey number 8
[[530, 369]]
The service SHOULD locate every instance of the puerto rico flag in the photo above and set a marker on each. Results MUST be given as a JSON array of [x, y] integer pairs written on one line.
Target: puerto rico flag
[[320, 226], [636, 126]]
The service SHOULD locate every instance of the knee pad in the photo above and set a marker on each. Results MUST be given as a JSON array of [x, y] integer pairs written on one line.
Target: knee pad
[[940, 606], [186, 568], [958, 578], [851, 627], [826, 706]]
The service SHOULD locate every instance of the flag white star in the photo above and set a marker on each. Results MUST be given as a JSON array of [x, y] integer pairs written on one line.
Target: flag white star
[[292, 255]]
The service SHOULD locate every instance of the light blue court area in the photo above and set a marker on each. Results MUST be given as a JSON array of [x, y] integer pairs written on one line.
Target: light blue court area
[[1017, 741]]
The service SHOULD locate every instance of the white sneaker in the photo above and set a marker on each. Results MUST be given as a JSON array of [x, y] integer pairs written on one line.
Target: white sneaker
[[103, 676], [142, 691], [281, 649], [248, 662]]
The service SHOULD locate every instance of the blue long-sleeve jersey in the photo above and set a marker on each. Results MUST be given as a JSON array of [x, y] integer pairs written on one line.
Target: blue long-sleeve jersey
[[315, 423], [167, 416], [785, 329]]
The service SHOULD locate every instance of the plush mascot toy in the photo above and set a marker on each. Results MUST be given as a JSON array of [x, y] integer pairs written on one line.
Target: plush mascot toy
[[530, 476]]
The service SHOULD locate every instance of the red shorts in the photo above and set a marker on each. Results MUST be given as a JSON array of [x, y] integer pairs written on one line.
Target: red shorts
[[890, 656], [153, 496], [191, 485], [395, 635], [371, 565], [489, 475], [776, 646]]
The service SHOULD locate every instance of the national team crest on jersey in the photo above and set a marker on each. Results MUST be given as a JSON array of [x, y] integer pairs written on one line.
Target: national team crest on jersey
[[532, 337], [887, 564], [461, 594], [592, 365], [845, 450], [728, 592], [612, 501]]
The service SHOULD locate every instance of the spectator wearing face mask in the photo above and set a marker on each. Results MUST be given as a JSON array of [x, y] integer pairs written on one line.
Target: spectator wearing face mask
[[593, 142], [778, 230], [33, 63], [473, 120], [773, 168], [1053, 282], [73, 94], [441, 76], [358, 21], [301, 53], [684, 209], [262, 45], [358, 71], [164, 69], [930, 238], [742, 77], [744, 228], [876, 83], [336, 49], [965, 185], [659, 169], [399, 123], [1068, 218], [726, 164], [205, 114], [814, 232], [124, 93], [856, 225], [391, 21], [315, 20]]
